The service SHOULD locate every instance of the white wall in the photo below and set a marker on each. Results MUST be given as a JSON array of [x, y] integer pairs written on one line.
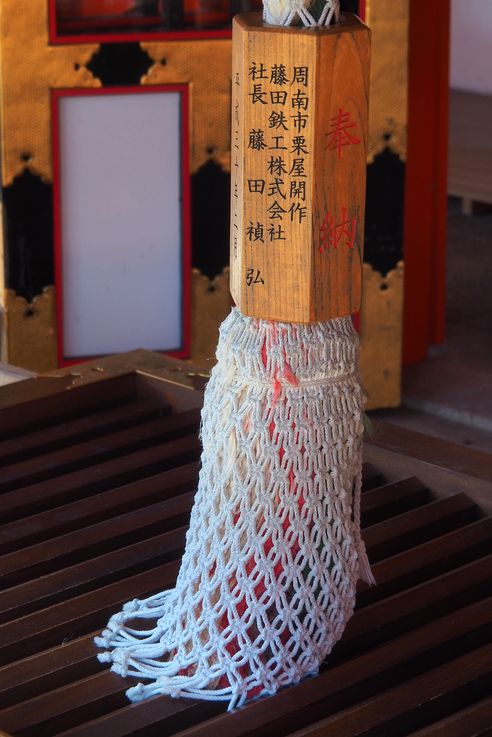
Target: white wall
[[471, 45], [121, 222]]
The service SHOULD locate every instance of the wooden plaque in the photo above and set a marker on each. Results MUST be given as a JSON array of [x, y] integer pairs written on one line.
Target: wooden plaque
[[299, 141]]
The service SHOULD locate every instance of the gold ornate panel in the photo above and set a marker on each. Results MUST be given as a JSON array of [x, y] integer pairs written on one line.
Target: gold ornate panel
[[211, 305], [33, 327], [30, 67], [389, 22], [381, 326], [206, 67]]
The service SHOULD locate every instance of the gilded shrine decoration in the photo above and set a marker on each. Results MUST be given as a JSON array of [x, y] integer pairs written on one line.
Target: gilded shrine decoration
[[32, 66]]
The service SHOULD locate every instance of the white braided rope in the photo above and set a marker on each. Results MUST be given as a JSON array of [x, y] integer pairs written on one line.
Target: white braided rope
[[288, 12], [273, 552]]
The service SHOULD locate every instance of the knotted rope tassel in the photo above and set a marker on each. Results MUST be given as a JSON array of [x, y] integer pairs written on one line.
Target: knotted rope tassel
[[288, 12], [273, 552]]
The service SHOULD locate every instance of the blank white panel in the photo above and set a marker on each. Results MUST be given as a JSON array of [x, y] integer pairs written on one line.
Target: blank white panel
[[121, 234]]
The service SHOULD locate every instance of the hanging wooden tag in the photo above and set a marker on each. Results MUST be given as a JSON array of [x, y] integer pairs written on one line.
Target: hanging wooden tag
[[299, 138]]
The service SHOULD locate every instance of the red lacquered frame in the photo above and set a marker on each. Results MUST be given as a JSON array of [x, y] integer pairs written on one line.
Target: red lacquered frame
[[56, 94], [425, 224], [127, 36]]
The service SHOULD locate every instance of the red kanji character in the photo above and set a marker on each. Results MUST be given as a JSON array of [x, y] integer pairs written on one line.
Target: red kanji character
[[333, 233], [340, 136]]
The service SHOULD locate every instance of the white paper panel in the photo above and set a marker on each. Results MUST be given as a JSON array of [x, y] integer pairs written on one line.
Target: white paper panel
[[121, 222]]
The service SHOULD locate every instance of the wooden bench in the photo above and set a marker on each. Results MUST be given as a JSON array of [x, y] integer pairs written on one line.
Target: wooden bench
[[98, 467]]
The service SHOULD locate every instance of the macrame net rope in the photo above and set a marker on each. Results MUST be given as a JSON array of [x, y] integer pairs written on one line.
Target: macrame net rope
[[289, 12], [274, 551]]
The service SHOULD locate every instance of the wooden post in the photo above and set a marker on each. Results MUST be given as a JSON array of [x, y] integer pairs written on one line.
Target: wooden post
[[299, 135]]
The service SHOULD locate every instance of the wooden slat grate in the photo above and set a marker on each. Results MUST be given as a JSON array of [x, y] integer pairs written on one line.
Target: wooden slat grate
[[96, 486]]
